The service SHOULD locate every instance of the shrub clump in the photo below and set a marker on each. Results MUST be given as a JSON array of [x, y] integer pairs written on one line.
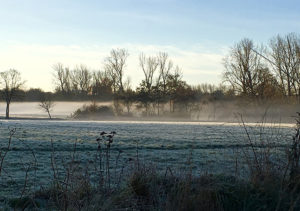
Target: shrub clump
[[93, 110]]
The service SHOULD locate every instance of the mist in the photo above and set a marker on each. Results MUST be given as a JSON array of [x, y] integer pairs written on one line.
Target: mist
[[219, 111], [33, 110]]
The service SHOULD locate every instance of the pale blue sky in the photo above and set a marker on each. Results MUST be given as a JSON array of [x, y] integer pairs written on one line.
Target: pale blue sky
[[36, 33]]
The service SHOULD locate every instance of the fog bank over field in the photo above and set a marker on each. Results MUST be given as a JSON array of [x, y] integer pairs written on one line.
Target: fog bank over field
[[32, 109], [246, 111], [211, 112]]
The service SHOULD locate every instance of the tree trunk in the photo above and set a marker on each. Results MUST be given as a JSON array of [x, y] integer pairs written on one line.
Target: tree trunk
[[7, 110], [128, 109], [49, 114], [289, 86], [147, 109]]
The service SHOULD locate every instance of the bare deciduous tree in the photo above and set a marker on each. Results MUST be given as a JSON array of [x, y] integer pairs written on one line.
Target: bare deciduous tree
[[47, 105], [165, 66], [113, 78], [149, 66], [128, 96], [115, 65], [11, 82], [102, 84], [81, 79], [286, 61], [173, 83], [242, 68], [61, 77]]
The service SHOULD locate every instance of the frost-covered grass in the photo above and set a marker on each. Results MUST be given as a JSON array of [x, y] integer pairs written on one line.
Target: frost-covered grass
[[43, 164]]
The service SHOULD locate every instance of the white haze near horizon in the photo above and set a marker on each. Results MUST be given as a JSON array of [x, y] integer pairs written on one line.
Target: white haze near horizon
[[35, 61], [65, 109], [32, 109]]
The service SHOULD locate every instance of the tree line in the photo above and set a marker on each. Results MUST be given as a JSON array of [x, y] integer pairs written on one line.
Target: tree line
[[265, 71], [256, 72], [161, 89]]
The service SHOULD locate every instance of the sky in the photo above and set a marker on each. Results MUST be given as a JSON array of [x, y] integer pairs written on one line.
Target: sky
[[197, 34]]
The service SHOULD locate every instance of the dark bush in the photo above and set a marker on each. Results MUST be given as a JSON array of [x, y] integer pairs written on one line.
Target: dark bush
[[93, 111]]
